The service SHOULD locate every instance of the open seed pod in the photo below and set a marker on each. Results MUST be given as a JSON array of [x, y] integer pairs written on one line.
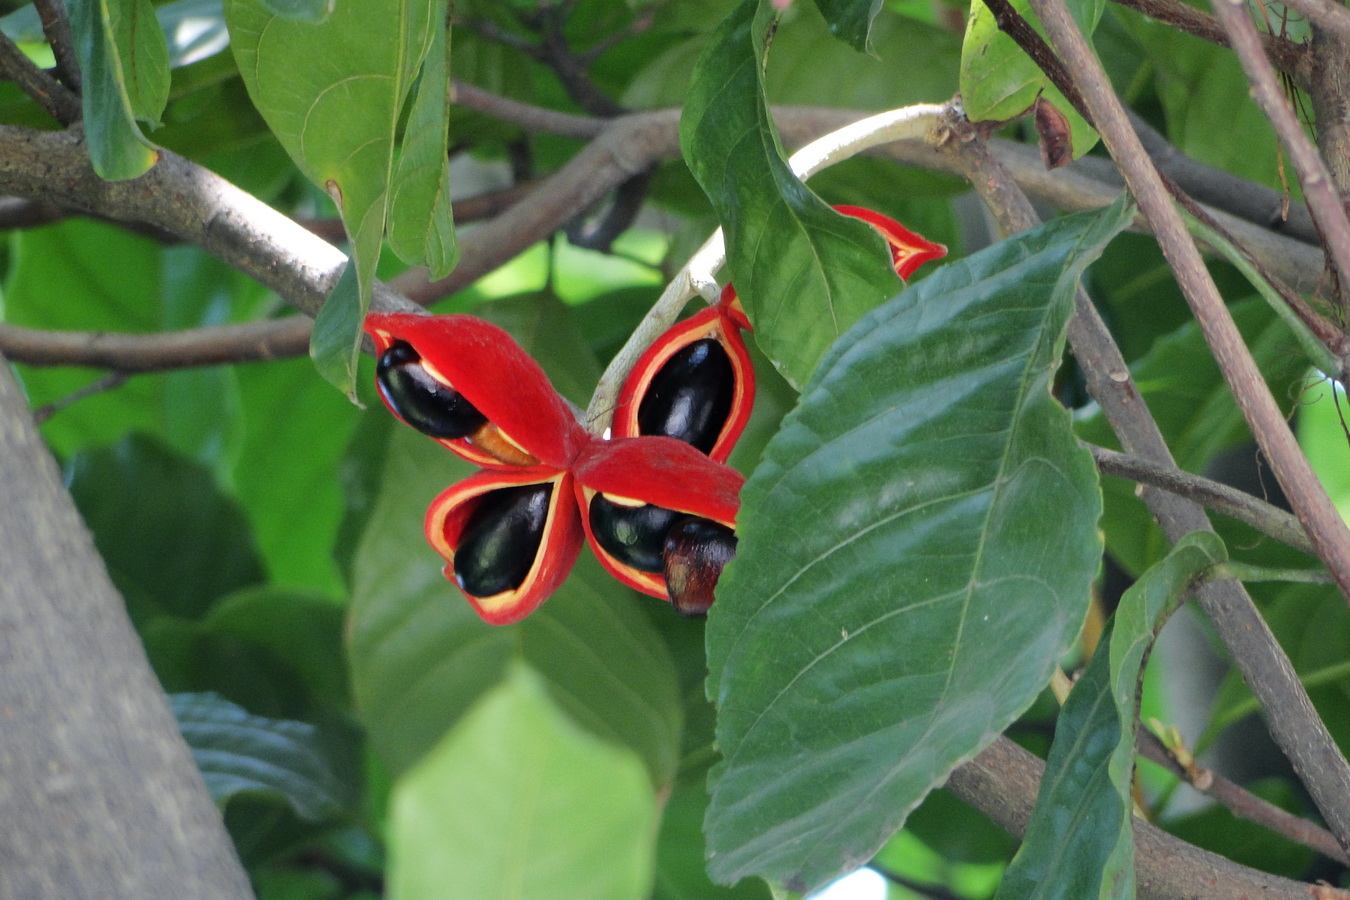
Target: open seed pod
[[508, 537], [469, 385], [908, 250], [659, 515], [694, 384]]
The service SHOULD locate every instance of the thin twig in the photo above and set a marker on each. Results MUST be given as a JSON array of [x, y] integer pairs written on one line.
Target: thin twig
[[1221, 498], [50, 94], [1299, 732], [1318, 187], [56, 26], [1324, 14], [1241, 802], [1293, 59], [107, 383], [209, 346]]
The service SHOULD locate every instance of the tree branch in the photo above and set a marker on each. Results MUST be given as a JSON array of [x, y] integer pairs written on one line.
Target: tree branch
[[56, 26], [1235, 504], [1324, 201], [50, 94], [1290, 716], [100, 794]]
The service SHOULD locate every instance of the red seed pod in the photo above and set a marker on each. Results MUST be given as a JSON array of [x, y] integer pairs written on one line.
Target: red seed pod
[[908, 250], [469, 385], [694, 384], [508, 537], [633, 491]]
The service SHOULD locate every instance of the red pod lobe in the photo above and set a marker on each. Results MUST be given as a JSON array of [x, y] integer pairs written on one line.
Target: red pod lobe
[[509, 538], [633, 491], [908, 249], [469, 385]]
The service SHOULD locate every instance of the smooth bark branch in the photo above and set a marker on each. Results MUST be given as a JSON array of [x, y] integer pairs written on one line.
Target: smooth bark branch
[[98, 793], [56, 26], [1235, 504], [50, 94], [1319, 188], [1324, 14], [1290, 716], [1002, 782], [1309, 500]]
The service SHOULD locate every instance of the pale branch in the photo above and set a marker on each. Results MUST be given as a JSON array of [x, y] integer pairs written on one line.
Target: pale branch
[[100, 793], [1306, 494], [1267, 519], [50, 94], [1002, 782], [56, 27], [530, 118], [1319, 188], [121, 352], [1292, 58], [1241, 802], [1293, 722], [1324, 14]]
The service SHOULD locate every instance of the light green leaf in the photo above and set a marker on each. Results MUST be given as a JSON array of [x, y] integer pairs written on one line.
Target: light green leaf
[[916, 549], [314, 11], [1322, 419], [239, 753], [804, 272], [125, 62], [518, 802], [1080, 841], [421, 226], [851, 20], [1000, 82], [332, 93]]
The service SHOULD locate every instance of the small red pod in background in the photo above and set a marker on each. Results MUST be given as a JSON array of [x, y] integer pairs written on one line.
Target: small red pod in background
[[695, 383], [469, 385], [659, 515], [908, 250], [508, 537]]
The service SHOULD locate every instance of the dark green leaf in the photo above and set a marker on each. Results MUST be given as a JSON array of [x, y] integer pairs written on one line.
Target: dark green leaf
[[804, 272], [421, 227], [238, 753], [517, 801], [916, 549], [1080, 840], [851, 20], [125, 64], [332, 345]]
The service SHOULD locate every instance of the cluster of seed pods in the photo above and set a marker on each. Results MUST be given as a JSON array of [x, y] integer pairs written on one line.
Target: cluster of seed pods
[[655, 502]]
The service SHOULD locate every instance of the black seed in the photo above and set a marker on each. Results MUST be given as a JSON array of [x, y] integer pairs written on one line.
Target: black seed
[[696, 551], [634, 535], [690, 397], [420, 400], [501, 539]]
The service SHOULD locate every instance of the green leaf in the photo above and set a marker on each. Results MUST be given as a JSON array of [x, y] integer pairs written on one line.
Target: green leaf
[[1000, 82], [124, 59], [241, 754], [313, 11], [421, 225], [916, 548], [851, 20], [1080, 840], [332, 93], [1321, 433], [518, 802], [804, 272]]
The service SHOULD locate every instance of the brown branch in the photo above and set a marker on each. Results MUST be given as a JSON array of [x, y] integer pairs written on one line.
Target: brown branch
[[1229, 501], [209, 346], [109, 382], [1242, 803], [530, 118], [1002, 782], [1292, 58], [50, 94], [1324, 14], [56, 26], [1294, 723], [1319, 188]]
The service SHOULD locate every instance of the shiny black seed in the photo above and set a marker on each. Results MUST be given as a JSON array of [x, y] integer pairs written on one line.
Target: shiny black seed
[[696, 550], [690, 397], [634, 535], [420, 400], [501, 539]]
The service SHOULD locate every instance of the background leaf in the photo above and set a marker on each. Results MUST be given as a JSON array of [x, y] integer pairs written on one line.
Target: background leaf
[[851, 20], [1080, 840], [519, 802], [804, 272], [935, 500]]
